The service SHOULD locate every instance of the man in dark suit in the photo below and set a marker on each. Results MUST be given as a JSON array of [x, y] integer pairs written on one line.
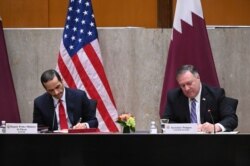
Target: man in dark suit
[[195, 102], [71, 105]]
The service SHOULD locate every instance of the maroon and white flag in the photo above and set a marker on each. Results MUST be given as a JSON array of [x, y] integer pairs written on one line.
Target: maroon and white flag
[[8, 101], [189, 45]]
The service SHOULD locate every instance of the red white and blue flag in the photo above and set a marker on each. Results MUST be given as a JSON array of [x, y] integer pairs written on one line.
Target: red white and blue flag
[[189, 45], [80, 62]]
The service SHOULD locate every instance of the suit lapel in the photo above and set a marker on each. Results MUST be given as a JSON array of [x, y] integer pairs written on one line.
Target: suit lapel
[[203, 107], [202, 110], [185, 107], [52, 113], [70, 105]]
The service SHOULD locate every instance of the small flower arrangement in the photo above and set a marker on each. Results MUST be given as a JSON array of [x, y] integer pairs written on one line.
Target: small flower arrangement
[[127, 121]]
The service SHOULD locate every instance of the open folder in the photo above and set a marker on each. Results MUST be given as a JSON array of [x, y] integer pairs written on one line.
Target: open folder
[[90, 130]]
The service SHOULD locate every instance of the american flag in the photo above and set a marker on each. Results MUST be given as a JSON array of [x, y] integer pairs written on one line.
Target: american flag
[[80, 62]]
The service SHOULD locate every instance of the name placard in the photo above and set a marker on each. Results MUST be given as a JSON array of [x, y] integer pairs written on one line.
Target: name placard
[[180, 128], [21, 128]]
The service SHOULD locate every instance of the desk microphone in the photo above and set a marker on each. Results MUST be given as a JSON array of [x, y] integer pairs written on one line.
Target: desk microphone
[[54, 115], [209, 111]]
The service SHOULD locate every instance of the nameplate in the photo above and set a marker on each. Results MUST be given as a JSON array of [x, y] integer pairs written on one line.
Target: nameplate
[[21, 128], [180, 128]]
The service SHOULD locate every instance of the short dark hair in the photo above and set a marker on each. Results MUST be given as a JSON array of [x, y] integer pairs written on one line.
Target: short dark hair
[[186, 68], [49, 75]]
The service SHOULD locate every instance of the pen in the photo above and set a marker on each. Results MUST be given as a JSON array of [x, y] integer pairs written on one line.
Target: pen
[[79, 121]]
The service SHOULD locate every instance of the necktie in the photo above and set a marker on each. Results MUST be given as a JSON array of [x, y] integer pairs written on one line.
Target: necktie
[[193, 116], [62, 116]]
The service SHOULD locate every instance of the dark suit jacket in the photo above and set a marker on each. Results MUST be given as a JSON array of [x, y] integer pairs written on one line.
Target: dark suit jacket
[[177, 110], [78, 105]]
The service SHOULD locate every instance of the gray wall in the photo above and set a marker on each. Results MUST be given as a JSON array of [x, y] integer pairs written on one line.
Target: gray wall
[[134, 60]]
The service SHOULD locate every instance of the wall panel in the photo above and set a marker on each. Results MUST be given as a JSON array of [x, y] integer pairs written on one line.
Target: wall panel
[[57, 12], [120, 13], [117, 13], [24, 13], [225, 12], [134, 60]]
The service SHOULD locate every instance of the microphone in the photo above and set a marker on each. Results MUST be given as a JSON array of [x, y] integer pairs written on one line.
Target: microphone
[[209, 111], [54, 115], [53, 120]]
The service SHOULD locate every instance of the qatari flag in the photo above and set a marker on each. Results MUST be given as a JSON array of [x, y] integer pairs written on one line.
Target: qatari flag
[[189, 45], [8, 102]]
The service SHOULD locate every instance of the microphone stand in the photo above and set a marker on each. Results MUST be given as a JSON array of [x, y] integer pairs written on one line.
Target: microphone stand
[[209, 111], [53, 125], [54, 115]]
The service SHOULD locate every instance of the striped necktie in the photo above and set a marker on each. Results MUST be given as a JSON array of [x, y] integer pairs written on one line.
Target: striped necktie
[[193, 116]]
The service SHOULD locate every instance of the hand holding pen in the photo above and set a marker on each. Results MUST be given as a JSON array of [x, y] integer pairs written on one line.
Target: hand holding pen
[[80, 125], [80, 119]]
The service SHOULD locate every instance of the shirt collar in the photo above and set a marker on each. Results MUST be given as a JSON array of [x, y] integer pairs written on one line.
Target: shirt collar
[[198, 97], [62, 98]]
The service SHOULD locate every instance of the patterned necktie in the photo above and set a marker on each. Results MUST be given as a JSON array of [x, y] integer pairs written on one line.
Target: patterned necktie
[[193, 116], [62, 116]]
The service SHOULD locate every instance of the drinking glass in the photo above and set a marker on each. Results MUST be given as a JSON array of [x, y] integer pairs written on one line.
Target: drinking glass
[[164, 122]]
